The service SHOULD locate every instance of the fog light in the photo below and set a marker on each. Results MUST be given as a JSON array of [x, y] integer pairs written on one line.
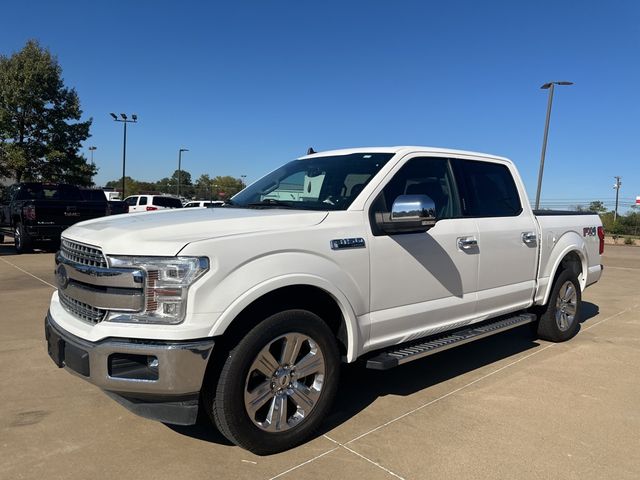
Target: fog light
[[133, 367]]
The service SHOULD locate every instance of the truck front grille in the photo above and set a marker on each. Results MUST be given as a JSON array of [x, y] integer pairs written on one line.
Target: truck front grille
[[81, 310], [82, 254]]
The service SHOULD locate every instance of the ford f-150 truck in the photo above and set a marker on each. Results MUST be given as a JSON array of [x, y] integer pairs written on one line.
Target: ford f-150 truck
[[246, 312]]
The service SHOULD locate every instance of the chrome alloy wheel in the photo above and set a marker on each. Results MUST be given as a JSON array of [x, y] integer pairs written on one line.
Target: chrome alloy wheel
[[284, 382], [17, 237], [566, 306]]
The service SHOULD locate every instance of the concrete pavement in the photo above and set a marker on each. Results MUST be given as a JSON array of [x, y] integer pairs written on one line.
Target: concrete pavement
[[508, 406]]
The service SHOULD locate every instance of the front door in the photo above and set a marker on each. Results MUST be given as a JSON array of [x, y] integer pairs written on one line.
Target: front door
[[422, 283]]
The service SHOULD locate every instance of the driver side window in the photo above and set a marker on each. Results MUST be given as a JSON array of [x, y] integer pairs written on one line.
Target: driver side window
[[423, 176]]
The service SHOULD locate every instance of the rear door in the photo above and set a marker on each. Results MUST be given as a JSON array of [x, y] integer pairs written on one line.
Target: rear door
[[507, 241]]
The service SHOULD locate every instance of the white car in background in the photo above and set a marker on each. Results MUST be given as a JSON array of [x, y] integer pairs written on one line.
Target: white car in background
[[148, 203], [204, 204]]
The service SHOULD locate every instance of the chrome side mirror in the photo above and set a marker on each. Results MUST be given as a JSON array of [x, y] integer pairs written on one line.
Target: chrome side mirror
[[409, 214]]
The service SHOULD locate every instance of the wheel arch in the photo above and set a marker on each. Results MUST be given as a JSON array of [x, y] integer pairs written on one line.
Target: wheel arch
[[306, 292], [570, 257]]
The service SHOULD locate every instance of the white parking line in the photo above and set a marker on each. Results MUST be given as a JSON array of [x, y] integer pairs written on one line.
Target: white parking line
[[481, 378], [305, 463], [363, 457], [28, 273], [442, 397]]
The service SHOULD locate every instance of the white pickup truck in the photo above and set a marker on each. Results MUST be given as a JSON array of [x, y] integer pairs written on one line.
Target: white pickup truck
[[247, 311]]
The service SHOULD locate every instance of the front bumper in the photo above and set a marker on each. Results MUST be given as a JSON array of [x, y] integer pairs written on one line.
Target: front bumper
[[155, 379]]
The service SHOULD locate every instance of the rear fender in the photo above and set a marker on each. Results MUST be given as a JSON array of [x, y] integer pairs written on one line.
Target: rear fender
[[567, 243]]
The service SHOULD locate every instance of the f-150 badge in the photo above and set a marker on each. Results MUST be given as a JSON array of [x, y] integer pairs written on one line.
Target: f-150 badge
[[589, 232], [341, 243]]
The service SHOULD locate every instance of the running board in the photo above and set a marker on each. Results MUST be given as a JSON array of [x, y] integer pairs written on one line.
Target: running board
[[408, 352]]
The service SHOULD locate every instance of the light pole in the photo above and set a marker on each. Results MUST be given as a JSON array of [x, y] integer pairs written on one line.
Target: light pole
[[547, 86], [125, 120], [616, 187], [91, 150], [180, 167], [93, 165]]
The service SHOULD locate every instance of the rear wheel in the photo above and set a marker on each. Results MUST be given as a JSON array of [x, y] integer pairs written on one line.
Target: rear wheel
[[21, 239], [277, 384], [559, 320]]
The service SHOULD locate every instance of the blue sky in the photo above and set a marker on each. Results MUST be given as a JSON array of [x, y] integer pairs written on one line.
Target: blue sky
[[249, 85]]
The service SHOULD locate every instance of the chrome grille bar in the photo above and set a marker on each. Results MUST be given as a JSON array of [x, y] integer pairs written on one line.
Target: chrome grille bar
[[82, 254], [82, 310]]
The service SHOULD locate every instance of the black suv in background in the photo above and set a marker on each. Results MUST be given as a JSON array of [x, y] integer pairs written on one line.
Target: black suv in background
[[36, 213]]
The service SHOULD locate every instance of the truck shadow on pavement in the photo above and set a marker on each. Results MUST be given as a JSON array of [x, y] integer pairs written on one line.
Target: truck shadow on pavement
[[360, 387], [7, 249]]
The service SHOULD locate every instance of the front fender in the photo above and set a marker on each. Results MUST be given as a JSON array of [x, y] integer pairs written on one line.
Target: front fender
[[229, 293]]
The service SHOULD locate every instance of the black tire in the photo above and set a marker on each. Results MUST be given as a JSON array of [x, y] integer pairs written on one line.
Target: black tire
[[22, 240], [552, 326], [1, 238], [226, 405]]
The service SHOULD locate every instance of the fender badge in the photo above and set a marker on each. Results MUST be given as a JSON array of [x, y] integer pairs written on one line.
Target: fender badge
[[341, 243]]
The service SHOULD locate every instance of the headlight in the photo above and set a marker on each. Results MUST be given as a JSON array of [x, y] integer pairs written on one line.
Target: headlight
[[166, 285]]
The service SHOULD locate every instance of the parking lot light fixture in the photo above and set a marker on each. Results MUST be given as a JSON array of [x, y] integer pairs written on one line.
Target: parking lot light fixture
[[125, 120], [547, 86]]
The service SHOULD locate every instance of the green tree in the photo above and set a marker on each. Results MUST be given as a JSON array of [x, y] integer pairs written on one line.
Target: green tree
[[226, 186], [131, 185], [183, 175], [40, 131], [597, 206], [203, 187]]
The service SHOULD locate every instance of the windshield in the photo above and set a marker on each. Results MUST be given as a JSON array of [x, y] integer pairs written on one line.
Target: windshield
[[320, 183]]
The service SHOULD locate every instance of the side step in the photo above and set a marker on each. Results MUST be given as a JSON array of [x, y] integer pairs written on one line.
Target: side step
[[413, 351]]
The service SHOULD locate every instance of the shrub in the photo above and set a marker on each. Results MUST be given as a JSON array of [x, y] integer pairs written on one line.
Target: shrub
[[629, 241]]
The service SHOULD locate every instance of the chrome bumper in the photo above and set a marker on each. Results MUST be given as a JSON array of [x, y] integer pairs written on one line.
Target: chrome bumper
[[176, 368]]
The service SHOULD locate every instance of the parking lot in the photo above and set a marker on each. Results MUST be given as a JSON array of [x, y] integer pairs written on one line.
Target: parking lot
[[508, 406]]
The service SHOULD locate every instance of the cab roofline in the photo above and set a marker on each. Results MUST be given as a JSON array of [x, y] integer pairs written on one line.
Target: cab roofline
[[402, 150]]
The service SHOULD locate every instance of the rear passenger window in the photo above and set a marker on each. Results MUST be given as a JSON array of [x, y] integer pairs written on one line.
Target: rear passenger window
[[488, 189], [168, 202], [143, 201]]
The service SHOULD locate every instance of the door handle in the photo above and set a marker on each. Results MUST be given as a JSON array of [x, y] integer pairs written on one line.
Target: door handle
[[529, 237], [466, 243]]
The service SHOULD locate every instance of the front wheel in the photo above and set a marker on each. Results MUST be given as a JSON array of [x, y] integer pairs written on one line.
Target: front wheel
[[277, 384], [559, 320]]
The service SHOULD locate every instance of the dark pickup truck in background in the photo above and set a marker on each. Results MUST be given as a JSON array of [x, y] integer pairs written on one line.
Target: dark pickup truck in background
[[113, 206], [35, 214]]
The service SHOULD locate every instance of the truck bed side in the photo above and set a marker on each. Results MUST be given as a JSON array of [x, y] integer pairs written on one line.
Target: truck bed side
[[562, 233]]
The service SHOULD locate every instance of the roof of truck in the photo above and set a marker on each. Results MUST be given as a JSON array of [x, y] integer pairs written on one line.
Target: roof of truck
[[403, 149]]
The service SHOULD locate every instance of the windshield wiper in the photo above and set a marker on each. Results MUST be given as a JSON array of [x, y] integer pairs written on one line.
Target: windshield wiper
[[270, 202]]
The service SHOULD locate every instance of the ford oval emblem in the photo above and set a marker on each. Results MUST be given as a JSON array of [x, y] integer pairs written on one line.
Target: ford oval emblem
[[62, 277]]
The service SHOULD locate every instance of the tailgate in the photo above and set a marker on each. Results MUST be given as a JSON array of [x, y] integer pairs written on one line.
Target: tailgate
[[67, 212]]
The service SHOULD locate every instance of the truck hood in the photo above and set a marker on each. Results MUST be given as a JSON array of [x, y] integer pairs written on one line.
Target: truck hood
[[169, 231]]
